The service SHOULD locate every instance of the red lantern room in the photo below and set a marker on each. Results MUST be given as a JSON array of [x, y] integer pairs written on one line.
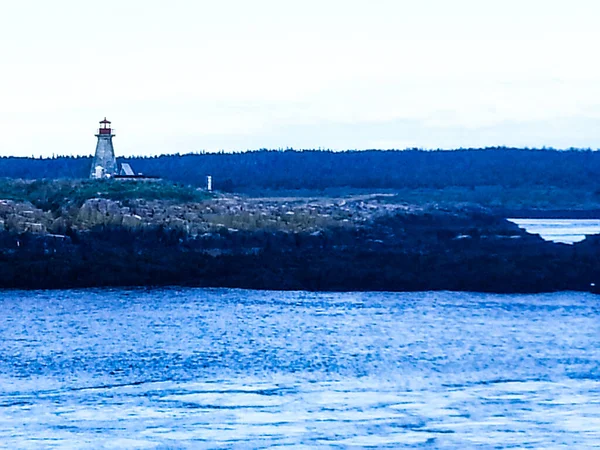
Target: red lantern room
[[105, 127]]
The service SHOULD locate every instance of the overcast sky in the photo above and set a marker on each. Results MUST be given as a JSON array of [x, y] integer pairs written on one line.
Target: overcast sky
[[192, 75]]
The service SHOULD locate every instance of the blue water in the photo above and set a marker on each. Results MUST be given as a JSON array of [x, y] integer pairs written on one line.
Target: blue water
[[566, 231], [195, 368]]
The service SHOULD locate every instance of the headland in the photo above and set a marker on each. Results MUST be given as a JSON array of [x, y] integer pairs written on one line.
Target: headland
[[95, 233]]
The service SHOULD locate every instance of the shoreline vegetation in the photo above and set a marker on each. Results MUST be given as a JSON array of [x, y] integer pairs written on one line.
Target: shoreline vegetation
[[428, 234]]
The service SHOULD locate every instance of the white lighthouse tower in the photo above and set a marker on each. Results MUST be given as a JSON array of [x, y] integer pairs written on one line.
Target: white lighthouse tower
[[105, 163]]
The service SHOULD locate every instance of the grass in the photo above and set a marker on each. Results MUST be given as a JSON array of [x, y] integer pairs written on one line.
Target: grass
[[500, 197], [51, 195], [543, 197]]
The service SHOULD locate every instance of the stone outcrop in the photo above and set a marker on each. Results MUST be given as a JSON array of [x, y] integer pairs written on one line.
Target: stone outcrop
[[99, 211], [194, 219], [21, 217]]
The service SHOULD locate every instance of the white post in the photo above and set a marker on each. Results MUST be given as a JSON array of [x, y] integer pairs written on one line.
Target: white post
[[209, 183]]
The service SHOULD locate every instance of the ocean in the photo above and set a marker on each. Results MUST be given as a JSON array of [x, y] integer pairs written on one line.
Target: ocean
[[220, 368], [565, 231]]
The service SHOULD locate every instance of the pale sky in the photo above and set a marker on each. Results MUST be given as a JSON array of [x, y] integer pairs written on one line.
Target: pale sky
[[194, 75]]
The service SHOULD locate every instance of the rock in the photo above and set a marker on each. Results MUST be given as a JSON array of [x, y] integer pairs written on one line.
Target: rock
[[178, 224], [33, 227], [131, 221], [58, 226], [100, 211]]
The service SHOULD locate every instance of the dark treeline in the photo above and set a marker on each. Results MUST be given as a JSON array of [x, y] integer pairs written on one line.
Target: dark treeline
[[371, 169], [36, 168]]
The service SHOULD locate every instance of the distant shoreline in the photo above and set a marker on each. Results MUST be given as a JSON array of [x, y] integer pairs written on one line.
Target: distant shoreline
[[510, 178], [549, 213]]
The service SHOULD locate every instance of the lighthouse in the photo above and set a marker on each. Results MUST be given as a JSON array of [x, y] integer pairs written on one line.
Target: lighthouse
[[105, 163]]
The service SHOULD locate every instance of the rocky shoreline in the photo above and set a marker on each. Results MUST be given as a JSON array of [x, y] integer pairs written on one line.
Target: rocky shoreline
[[368, 242]]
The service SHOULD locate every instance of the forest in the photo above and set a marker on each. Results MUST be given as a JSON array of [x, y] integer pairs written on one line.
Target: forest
[[317, 170]]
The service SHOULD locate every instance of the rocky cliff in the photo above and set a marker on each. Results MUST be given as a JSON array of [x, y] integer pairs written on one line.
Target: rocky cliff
[[357, 243]]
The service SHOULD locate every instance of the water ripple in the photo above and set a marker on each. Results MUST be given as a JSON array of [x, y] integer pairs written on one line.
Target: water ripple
[[196, 368]]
